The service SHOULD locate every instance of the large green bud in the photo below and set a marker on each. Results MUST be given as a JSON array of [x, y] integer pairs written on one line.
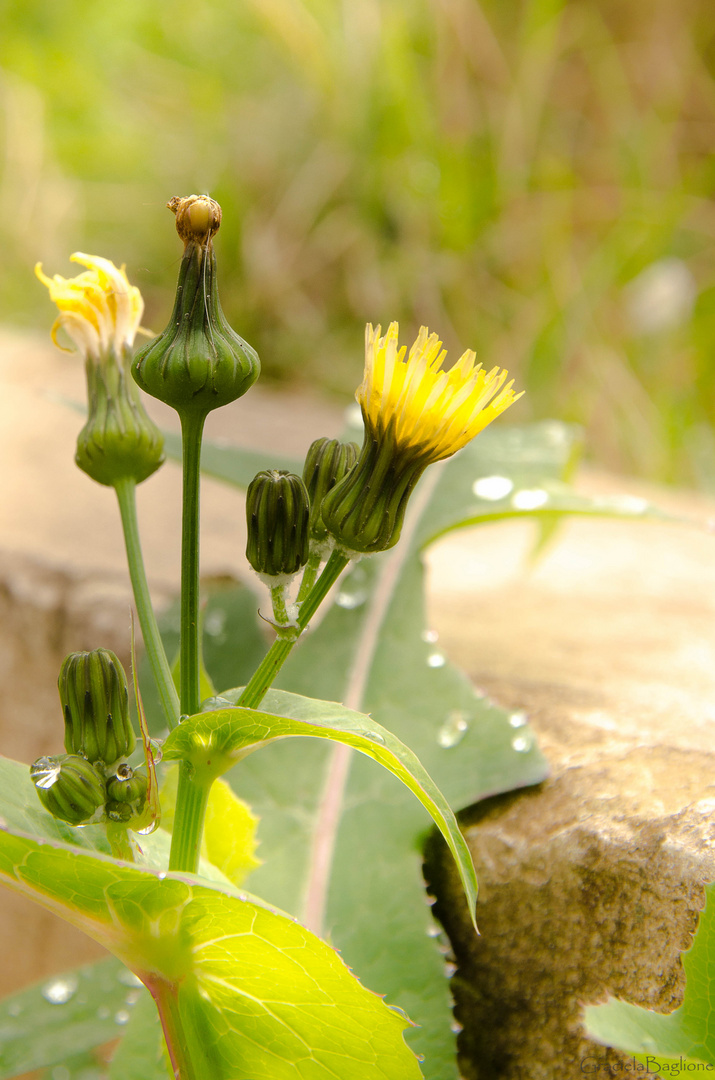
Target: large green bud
[[95, 702], [126, 795], [70, 787], [199, 363], [119, 441], [326, 463], [277, 513]]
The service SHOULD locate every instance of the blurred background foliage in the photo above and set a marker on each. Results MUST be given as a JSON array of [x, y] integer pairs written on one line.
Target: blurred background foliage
[[531, 178]]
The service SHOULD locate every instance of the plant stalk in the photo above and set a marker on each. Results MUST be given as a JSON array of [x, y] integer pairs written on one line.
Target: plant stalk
[[191, 801], [192, 427], [126, 497]]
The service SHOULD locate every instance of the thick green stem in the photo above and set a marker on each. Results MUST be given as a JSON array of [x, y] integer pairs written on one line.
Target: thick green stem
[[281, 648], [126, 497], [192, 427], [191, 800], [166, 1001]]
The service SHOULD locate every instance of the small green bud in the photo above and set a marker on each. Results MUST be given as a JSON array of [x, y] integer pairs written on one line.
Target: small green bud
[[326, 463], [199, 363], [119, 441], [277, 512], [95, 702], [70, 787], [364, 512], [126, 794]]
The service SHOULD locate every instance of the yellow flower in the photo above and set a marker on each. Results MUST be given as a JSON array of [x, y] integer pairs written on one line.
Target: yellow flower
[[428, 410], [415, 414], [99, 310]]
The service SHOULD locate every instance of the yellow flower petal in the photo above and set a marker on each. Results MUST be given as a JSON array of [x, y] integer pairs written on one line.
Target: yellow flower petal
[[426, 409], [98, 310]]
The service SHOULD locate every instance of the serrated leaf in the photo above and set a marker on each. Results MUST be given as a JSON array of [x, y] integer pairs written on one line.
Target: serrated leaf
[[247, 992], [60, 1017], [213, 741], [687, 1033]]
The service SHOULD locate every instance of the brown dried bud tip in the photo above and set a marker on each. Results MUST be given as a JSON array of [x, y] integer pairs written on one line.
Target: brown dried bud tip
[[197, 217]]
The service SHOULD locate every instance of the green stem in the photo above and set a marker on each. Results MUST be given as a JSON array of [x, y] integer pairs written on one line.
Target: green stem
[[192, 427], [280, 650], [309, 575], [192, 798], [121, 843], [280, 610], [126, 497], [166, 1001]]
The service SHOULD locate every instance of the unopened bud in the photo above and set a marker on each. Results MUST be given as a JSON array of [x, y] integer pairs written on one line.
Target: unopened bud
[[126, 794], [70, 787], [95, 702], [199, 363], [277, 512], [326, 463]]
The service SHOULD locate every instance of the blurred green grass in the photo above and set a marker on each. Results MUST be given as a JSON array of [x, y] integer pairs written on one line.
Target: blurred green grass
[[530, 178]]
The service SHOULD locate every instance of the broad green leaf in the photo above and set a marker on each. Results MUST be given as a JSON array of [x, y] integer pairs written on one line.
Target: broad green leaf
[[687, 1033], [247, 992], [141, 1055], [213, 741], [65, 1015]]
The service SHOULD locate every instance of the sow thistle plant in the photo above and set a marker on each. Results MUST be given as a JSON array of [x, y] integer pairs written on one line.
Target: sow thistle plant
[[243, 990]]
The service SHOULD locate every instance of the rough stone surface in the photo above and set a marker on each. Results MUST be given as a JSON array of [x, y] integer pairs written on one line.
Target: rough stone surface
[[591, 883]]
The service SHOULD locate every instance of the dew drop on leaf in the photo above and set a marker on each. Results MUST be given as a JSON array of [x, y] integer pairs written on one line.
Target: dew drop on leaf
[[529, 499], [518, 719], [215, 622], [456, 1028], [121, 1017], [436, 659], [429, 636], [449, 969], [60, 991], [433, 930], [374, 736], [351, 598], [453, 729], [493, 488], [522, 743]]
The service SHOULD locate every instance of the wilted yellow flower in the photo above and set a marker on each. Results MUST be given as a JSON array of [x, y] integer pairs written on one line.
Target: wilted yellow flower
[[99, 310], [415, 413], [427, 410]]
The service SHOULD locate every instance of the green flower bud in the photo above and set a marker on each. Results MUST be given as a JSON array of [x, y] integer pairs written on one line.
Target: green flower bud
[[364, 512], [326, 463], [199, 363], [95, 702], [69, 787], [126, 794], [119, 441], [277, 511]]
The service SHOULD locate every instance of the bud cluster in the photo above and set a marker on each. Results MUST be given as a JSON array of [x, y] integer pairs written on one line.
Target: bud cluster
[[92, 781]]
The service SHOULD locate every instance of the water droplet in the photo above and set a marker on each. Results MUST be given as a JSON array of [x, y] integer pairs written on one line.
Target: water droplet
[[156, 750], [161, 875], [14, 1008], [518, 719], [624, 504], [493, 488], [132, 997], [374, 736], [436, 659], [430, 636], [128, 978], [103, 1013], [529, 499], [522, 743], [349, 599], [456, 1028], [449, 969], [648, 1042], [215, 622], [121, 1017], [433, 930], [60, 991], [453, 730]]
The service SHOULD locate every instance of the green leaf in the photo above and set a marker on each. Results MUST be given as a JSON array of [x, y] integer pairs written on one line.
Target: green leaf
[[244, 991], [141, 1055], [213, 741], [65, 1015], [689, 1032]]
